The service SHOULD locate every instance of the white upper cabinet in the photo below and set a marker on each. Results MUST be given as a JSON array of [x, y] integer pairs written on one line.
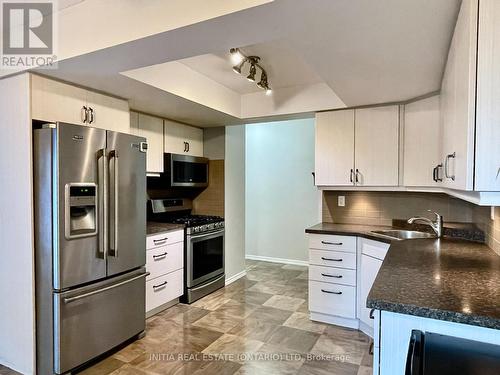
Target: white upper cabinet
[[151, 128], [422, 143], [57, 101], [487, 173], [107, 112], [334, 156], [183, 139], [377, 146], [458, 101], [357, 147]]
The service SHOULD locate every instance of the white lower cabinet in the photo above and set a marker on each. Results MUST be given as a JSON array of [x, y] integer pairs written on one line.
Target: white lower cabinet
[[342, 270], [163, 289], [332, 299], [332, 279], [372, 256], [164, 262]]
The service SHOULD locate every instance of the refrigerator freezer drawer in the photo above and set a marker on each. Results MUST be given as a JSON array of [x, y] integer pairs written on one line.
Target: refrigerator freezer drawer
[[92, 320]]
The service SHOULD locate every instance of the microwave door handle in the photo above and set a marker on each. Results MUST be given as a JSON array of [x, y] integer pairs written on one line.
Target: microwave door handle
[[113, 155]]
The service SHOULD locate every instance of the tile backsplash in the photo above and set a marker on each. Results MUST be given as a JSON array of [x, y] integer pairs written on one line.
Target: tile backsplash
[[379, 208]]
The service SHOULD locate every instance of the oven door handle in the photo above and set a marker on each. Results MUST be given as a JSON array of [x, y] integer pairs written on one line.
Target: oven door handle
[[207, 235]]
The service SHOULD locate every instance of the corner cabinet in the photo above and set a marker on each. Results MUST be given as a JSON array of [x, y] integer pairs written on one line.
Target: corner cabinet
[[470, 93], [182, 139], [357, 147], [151, 128], [56, 101]]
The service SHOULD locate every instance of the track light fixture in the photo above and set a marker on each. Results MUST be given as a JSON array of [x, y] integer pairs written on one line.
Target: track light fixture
[[239, 59]]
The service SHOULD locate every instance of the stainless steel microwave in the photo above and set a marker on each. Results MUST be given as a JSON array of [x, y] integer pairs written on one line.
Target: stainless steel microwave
[[186, 170]]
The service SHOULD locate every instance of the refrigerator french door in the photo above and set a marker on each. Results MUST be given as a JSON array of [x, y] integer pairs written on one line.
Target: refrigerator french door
[[90, 223]]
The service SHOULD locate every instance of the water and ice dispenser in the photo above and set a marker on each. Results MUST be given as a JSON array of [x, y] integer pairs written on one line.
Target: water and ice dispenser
[[81, 210]]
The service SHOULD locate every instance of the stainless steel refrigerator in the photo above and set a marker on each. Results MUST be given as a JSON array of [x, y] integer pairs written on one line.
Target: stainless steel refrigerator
[[90, 240]]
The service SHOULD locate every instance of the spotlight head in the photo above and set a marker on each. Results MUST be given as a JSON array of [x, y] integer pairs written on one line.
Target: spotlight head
[[253, 71], [237, 68], [263, 80], [236, 56]]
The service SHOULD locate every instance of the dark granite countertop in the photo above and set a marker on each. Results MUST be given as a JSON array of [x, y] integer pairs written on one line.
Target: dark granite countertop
[[446, 279], [350, 230], [153, 227]]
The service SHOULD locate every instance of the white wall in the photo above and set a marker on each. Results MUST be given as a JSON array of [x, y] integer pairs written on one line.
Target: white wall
[[281, 199], [234, 196], [17, 324]]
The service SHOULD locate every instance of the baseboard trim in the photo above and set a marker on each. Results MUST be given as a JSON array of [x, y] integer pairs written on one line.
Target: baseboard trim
[[336, 320], [365, 328], [277, 260], [233, 278], [160, 308]]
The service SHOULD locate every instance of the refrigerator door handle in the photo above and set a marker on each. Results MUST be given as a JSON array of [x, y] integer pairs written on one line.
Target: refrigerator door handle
[[94, 292], [113, 249], [103, 210]]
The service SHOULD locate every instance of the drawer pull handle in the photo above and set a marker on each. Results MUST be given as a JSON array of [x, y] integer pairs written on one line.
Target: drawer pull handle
[[370, 349], [160, 285], [336, 276], [372, 311], [330, 292], [160, 241], [160, 255], [332, 243], [332, 260]]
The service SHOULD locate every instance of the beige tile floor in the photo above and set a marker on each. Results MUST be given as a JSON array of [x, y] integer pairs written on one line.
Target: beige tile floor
[[256, 325]]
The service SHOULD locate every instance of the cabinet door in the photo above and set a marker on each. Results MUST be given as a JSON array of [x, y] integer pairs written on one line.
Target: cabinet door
[[108, 113], [194, 137], [458, 100], [377, 146], [422, 142], [369, 270], [487, 172], [183, 139], [151, 128], [55, 101], [174, 137], [334, 152]]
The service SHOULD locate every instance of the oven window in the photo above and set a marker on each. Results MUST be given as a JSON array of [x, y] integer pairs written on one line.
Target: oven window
[[190, 172], [208, 256]]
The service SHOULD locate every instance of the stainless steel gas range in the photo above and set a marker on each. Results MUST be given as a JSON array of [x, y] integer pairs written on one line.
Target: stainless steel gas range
[[203, 246]]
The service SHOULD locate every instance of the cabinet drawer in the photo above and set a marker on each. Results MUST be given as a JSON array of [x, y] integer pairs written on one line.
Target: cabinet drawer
[[332, 299], [165, 238], [164, 259], [164, 289], [332, 275], [331, 242], [332, 259]]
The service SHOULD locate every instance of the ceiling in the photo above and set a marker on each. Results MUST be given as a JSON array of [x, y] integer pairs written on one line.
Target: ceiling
[[319, 55]]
